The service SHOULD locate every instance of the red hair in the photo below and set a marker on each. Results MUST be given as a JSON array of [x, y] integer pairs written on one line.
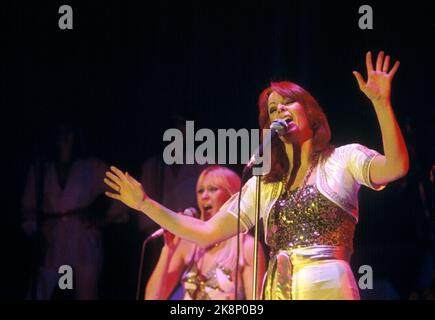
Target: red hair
[[316, 119]]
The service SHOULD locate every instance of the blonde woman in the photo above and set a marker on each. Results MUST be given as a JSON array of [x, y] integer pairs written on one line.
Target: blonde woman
[[207, 272]]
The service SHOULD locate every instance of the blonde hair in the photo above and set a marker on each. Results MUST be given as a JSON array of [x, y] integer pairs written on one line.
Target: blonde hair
[[229, 181], [222, 177]]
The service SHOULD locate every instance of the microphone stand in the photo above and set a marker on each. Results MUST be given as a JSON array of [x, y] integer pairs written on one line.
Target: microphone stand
[[257, 222], [191, 212], [278, 127], [256, 233], [139, 275]]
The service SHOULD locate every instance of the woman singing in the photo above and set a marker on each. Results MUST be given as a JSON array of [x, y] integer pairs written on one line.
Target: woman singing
[[309, 199]]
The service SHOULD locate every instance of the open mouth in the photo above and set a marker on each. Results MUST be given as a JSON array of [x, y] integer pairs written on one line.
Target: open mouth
[[288, 120], [207, 207]]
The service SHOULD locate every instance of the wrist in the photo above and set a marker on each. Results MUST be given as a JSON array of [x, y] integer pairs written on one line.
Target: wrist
[[143, 203], [381, 103]]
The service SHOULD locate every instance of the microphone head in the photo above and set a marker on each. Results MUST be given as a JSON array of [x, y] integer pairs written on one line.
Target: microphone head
[[156, 234], [279, 126]]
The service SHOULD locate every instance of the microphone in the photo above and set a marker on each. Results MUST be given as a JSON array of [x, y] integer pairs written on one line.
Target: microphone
[[277, 127], [190, 212]]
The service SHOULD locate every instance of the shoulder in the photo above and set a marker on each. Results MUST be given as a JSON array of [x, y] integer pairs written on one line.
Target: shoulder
[[344, 152], [351, 147], [251, 185], [346, 148], [247, 188], [251, 181]]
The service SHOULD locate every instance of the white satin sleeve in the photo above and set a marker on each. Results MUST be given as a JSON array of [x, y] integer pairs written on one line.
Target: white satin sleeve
[[247, 209], [358, 160]]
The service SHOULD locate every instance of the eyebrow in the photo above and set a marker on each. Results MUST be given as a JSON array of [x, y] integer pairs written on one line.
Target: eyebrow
[[285, 100]]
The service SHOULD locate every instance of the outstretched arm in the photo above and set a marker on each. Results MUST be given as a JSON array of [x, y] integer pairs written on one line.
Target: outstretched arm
[[394, 163], [221, 227]]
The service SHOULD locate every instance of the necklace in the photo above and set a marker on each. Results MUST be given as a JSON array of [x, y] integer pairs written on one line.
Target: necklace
[[301, 188]]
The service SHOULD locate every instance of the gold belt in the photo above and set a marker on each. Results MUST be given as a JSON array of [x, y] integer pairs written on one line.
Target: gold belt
[[279, 274]]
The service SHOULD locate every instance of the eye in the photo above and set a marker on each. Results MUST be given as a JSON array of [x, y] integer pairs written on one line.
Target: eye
[[200, 191], [288, 101], [272, 109], [212, 189]]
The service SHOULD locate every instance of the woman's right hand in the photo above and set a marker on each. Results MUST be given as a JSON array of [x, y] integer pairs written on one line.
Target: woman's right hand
[[171, 240], [130, 191]]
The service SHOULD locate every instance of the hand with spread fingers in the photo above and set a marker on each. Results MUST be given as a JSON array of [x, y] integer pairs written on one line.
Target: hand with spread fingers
[[378, 85], [128, 189]]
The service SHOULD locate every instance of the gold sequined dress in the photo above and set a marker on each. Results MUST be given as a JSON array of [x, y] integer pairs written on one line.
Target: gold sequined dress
[[311, 244]]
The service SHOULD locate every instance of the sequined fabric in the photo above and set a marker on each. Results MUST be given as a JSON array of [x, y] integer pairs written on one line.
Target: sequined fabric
[[313, 220], [198, 286]]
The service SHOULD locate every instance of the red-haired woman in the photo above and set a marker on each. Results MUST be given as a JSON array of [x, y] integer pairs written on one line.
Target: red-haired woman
[[309, 199]]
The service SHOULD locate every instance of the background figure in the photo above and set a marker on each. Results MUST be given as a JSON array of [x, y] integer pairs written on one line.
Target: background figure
[[207, 273], [173, 186], [63, 210]]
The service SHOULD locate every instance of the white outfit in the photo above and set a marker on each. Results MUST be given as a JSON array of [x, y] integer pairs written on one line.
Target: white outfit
[[69, 238], [312, 269], [338, 178]]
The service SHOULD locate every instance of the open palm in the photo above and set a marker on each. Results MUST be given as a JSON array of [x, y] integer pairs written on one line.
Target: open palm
[[378, 84]]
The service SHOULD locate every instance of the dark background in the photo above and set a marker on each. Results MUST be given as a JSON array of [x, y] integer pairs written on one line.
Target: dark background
[[127, 66]]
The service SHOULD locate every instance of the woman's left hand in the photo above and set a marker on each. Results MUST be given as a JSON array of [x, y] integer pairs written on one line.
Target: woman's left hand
[[378, 85]]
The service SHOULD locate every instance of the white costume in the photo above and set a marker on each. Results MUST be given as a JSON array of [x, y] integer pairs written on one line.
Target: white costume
[[68, 234], [311, 241]]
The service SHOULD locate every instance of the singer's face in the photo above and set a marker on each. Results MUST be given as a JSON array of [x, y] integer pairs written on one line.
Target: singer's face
[[210, 197], [293, 113]]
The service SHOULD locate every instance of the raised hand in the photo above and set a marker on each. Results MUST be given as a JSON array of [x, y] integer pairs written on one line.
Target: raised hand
[[130, 192], [378, 85]]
